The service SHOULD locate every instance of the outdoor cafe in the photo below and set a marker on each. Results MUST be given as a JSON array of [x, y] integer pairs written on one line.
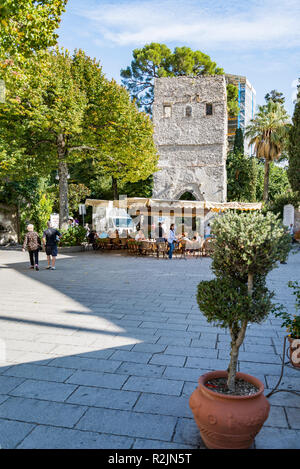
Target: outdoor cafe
[[135, 224]]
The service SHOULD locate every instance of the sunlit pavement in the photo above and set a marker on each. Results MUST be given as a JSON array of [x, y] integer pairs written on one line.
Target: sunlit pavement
[[105, 351]]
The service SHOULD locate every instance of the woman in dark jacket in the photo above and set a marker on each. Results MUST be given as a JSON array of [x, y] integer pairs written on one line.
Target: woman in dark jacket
[[32, 242]]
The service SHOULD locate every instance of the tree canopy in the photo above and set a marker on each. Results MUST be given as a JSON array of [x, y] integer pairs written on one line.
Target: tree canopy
[[29, 25], [62, 109], [157, 60], [268, 131], [275, 96], [294, 146]]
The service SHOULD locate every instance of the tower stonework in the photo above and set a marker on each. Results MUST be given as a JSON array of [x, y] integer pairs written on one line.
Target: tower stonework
[[190, 132]]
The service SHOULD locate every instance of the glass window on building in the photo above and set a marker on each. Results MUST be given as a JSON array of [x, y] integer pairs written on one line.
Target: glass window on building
[[188, 111], [209, 109], [167, 110]]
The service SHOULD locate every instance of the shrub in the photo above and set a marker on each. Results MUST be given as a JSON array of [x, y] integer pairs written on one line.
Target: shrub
[[73, 236], [292, 321]]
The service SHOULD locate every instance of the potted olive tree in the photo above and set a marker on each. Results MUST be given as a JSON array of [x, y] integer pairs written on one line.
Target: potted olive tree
[[292, 324], [229, 407]]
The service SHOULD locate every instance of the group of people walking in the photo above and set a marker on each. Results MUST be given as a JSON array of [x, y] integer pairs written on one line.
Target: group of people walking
[[34, 244]]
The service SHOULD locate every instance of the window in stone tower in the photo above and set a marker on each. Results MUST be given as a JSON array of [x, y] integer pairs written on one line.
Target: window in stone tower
[[188, 111], [209, 109], [167, 110]]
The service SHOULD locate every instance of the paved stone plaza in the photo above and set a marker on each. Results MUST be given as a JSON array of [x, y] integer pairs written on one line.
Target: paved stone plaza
[[105, 352]]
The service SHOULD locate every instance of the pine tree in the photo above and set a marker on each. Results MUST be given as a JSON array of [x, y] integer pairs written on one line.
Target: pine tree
[[294, 147]]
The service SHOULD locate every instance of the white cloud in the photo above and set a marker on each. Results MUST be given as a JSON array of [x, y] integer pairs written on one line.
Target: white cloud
[[202, 23]]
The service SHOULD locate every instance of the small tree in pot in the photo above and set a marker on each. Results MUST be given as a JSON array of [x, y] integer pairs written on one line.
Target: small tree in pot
[[245, 248]]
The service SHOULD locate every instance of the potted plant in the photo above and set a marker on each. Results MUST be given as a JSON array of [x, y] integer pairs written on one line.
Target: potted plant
[[230, 407], [292, 324]]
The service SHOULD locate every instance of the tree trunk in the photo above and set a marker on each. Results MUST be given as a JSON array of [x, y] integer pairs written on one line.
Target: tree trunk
[[63, 182], [266, 181], [18, 221], [236, 342], [115, 188]]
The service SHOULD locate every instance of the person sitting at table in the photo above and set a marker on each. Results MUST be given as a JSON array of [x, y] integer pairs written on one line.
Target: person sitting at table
[[104, 234], [111, 233], [184, 237], [198, 237], [92, 236], [140, 236]]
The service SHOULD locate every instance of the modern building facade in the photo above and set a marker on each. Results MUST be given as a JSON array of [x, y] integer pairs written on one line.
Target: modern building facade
[[190, 132], [247, 104]]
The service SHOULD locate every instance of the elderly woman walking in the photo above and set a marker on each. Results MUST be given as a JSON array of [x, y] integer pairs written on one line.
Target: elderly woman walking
[[32, 242]]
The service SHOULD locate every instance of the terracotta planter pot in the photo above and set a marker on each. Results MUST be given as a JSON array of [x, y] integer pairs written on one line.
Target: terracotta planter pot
[[293, 355], [228, 422]]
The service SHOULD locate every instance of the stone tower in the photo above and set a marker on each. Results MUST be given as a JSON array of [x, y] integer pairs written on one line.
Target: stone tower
[[190, 122]]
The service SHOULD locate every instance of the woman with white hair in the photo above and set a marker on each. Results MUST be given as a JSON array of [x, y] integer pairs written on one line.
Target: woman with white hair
[[32, 242]]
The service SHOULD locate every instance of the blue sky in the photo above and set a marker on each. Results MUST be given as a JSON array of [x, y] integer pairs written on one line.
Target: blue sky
[[256, 38]]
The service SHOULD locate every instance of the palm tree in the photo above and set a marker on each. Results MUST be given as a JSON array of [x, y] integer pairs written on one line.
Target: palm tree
[[268, 131]]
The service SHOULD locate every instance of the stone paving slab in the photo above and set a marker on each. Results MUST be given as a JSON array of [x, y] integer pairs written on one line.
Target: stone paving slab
[[106, 398], [45, 437], [45, 390], [12, 433], [277, 438], [41, 372], [293, 416], [97, 379], [8, 383], [138, 369], [155, 444], [37, 411], [155, 385], [128, 423], [163, 405], [100, 361]]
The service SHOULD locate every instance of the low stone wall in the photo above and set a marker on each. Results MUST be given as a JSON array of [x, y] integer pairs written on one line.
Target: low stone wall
[[69, 249], [8, 225]]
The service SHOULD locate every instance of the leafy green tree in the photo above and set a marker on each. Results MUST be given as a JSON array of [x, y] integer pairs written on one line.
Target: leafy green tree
[[28, 25], [232, 100], [156, 60], [77, 193], [32, 200], [275, 96], [126, 138], [62, 111], [238, 145], [294, 147], [268, 131], [241, 177], [142, 188], [280, 200], [278, 181], [45, 118], [38, 211]]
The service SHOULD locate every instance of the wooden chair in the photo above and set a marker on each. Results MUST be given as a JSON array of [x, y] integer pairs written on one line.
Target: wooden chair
[[207, 247], [161, 248], [136, 247], [115, 243], [183, 249], [130, 248], [124, 242], [145, 248]]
